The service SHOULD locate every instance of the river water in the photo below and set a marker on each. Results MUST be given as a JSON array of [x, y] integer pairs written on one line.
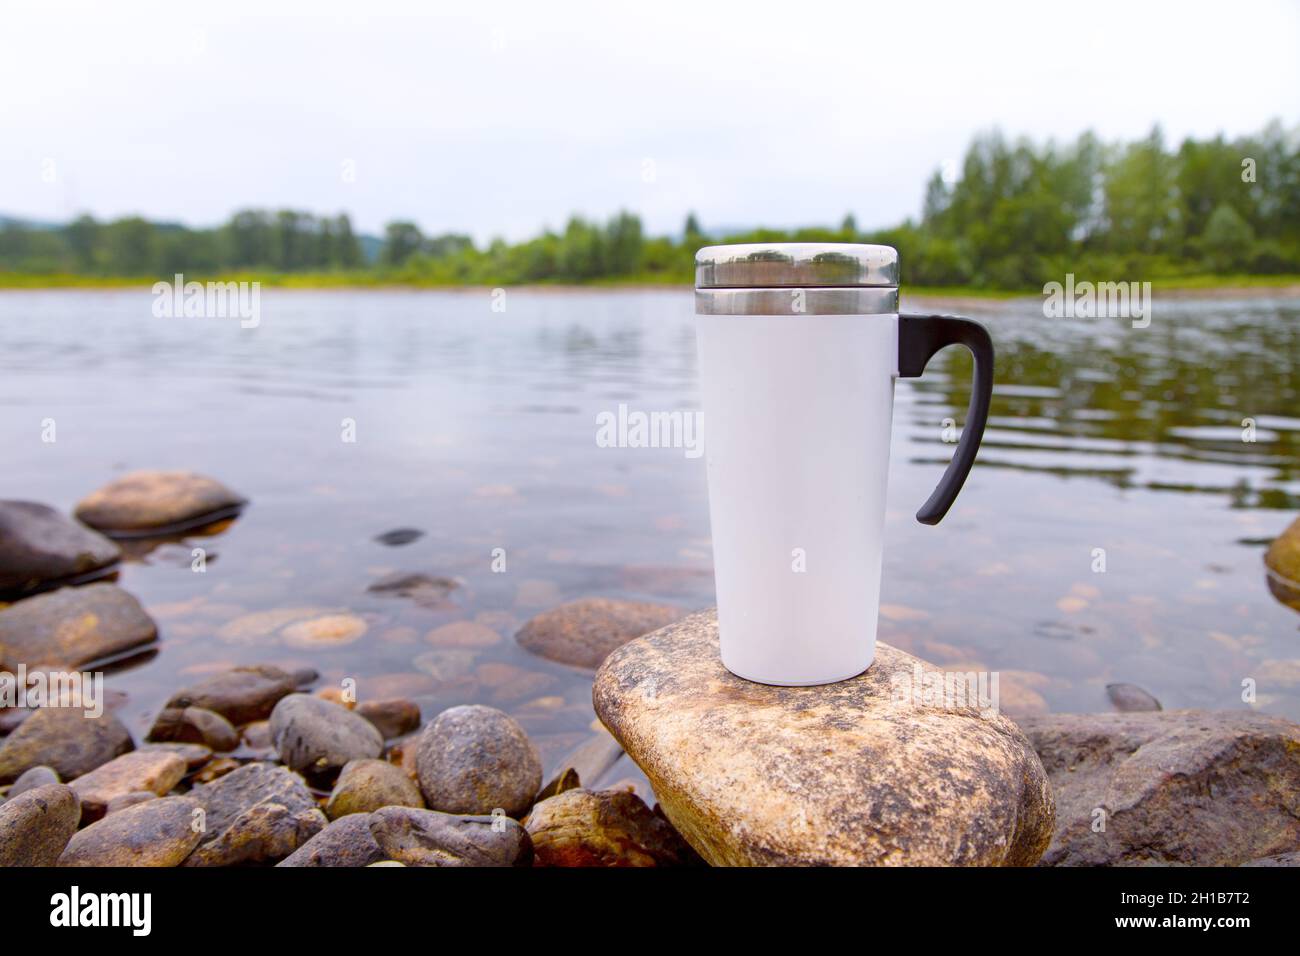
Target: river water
[[478, 428]]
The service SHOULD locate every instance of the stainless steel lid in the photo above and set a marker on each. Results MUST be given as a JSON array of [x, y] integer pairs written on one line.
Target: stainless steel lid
[[796, 265]]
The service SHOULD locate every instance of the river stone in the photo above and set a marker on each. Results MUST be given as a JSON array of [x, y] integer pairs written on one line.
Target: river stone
[[33, 778], [194, 755], [39, 548], [124, 800], [589, 761], [392, 717], [1281, 859], [11, 717], [475, 759], [64, 629], [195, 725], [36, 825], [583, 633], [425, 589], [328, 630], [429, 838], [257, 814], [65, 740], [852, 773], [469, 634], [241, 694], [603, 828], [317, 736], [1282, 563], [1131, 699], [154, 771], [366, 785], [399, 536], [345, 842], [155, 833], [1203, 788], [150, 502]]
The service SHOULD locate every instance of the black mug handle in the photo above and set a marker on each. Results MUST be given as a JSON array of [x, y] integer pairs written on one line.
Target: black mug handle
[[919, 338]]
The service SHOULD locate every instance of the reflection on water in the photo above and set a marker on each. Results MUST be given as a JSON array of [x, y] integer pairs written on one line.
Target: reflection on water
[[478, 428]]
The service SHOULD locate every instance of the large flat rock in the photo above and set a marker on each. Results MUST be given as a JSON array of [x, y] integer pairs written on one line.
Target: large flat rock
[[843, 774], [1194, 787], [70, 627]]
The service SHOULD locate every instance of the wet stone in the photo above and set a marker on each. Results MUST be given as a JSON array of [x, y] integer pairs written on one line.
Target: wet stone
[[1129, 698], [195, 725], [154, 771], [158, 833], [367, 785], [11, 717], [40, 547], [37, 824], [469, 634], [399, 536], [429, 838], [1178, 787], [392, 717], [425, 589], [446, 664], [1282, 566], [216, 769], [241, 694], [867, 779], [65, 740], [329, 630], [33, 778], [315, 736], [70, 627], [583, 633], [475, 759], [345, 842], [603, 828], [151, 502], [257, 814], [194, 755], [122, 801]]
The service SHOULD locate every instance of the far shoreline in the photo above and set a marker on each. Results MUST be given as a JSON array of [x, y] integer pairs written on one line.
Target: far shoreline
[[1189, 287]]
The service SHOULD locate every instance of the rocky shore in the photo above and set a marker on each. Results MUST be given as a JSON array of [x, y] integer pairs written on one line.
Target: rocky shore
[[254, 764]]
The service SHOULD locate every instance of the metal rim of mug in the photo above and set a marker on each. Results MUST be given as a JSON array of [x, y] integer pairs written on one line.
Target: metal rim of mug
[[878, 300], [796, 265]]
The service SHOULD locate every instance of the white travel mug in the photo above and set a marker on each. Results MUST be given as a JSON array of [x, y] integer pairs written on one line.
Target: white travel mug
[[799, 346]]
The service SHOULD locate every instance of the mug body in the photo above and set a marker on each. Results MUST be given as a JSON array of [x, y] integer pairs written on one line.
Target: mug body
[[797, 411]]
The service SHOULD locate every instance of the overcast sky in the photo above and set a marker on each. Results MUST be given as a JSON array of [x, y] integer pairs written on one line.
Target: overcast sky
[[497, 118]]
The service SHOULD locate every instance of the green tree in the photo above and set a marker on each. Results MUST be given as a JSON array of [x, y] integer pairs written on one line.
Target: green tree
[[401, 241], [1228, 240], [346, 250], [83, 238], [132, 247], [1141, 198]]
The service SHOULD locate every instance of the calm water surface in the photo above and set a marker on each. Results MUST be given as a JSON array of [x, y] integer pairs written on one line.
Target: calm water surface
[[478, 428]]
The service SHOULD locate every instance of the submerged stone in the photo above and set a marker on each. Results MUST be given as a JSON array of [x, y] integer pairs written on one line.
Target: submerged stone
[[582, 633]]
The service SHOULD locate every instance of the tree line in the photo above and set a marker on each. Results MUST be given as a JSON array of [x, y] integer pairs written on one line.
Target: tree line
[[1011, 215]]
